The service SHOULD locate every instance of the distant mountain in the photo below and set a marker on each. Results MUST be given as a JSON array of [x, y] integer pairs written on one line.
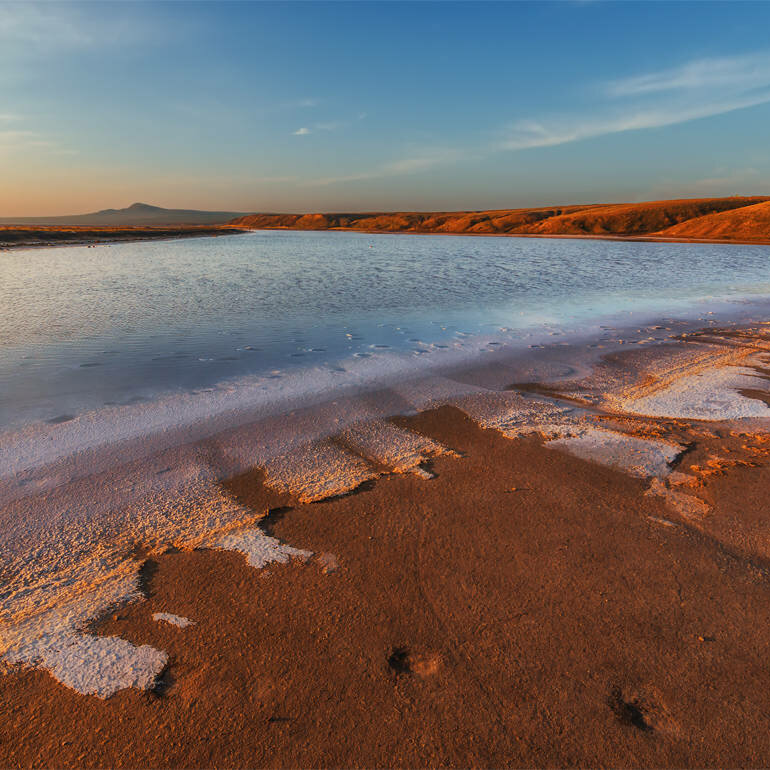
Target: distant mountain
[[136, 214]]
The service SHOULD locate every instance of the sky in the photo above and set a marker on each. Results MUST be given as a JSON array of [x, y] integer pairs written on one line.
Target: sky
[[258, 106]]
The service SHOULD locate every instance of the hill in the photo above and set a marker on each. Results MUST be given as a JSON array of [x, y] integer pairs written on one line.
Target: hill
[[747, 223], [650, 219], [136, 214]]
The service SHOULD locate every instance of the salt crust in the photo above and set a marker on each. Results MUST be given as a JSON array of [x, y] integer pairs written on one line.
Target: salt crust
[[636, 456], [174, 620], [56, 588], [73, 572], [261, 549], [393, 447], [709, 395]]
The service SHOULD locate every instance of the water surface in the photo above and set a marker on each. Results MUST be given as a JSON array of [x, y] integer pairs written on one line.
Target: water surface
[[81, 328]]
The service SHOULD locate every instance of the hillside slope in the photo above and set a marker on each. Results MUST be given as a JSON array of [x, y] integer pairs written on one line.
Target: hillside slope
[[653, 218], [636, 218], [747, 223]]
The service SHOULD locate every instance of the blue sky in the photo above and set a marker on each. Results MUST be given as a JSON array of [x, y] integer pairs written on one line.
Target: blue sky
[[361, 106]]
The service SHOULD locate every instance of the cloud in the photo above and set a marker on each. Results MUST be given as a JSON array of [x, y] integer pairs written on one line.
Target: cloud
[[528, 134], [36, 24], [741, 73], [695, 90], [410, 164], [741, 181], [18, 141], [30, 30], [24, 139], [331, 125]]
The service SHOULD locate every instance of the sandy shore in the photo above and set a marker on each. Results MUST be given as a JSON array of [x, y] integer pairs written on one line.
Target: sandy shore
[[570, 572]]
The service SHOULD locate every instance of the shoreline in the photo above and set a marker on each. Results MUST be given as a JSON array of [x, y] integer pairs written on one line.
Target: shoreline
[[108, 235], [173, 419], [557, 236], [405, 612], [105, 240]]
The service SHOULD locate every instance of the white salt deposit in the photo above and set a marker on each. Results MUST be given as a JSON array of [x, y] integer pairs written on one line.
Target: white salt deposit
[[96, 665], [631, 454], [317, 471], [515, 415], [260, 549], [69, 547], [707, 395], [91, 665], [396, 448], [174, 620]]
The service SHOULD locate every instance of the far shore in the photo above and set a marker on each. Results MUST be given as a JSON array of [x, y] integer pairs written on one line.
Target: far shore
[[743, 220], [26, 237], [47, 237]]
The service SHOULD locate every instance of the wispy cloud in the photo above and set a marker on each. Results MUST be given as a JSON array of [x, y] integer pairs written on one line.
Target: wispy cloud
[[37, 24], [527, 134], [33, 28], [695, 90], [409, 164], [19, 141], [741, 73], [738, 181], [329, 125]]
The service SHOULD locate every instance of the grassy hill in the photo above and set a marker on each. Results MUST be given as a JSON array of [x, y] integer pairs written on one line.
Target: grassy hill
[[736, 218]]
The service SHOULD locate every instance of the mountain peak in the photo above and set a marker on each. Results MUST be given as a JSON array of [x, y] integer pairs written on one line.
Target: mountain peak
[[142, 207]]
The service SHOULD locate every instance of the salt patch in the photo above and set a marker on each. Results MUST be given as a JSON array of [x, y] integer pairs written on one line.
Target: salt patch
[[90, 665], [95, 665], [711, 395], [396, 448], [316, 471], [260, 549], [514, 415], [636, 456], [174, 620]]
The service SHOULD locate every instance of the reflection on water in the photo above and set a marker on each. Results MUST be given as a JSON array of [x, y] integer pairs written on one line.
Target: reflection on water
[[84, 327]]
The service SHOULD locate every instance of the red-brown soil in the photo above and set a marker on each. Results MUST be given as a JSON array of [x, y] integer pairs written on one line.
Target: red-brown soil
[[525, 608], [656, 218]]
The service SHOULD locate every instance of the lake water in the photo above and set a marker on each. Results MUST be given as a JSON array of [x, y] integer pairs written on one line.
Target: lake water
[[84, 328]]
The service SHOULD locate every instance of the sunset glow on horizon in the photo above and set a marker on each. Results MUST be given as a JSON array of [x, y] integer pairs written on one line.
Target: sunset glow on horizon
[[379, 106]]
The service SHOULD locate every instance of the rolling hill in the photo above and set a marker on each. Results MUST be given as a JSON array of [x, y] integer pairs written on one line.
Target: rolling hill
[[736, 218], [745, 223]]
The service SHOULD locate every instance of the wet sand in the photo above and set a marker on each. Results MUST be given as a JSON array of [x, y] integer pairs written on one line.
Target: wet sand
[[535, 603]]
